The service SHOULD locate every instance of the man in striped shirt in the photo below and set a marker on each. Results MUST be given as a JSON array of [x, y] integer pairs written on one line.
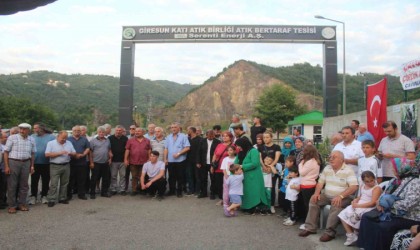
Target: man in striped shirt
[[340, 183]]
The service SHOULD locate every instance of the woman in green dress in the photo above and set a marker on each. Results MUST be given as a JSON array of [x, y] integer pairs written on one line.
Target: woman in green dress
[[254, 191]]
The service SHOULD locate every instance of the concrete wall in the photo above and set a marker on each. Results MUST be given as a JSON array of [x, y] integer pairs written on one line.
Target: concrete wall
[[334, 124]]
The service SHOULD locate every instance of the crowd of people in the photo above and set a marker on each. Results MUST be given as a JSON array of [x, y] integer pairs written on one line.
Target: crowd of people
[[371, 188]]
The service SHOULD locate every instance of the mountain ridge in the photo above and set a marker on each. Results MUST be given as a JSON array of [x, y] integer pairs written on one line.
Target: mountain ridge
[[94, 98]]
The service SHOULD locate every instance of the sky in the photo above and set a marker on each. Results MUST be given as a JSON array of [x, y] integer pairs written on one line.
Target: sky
[[84, 36]]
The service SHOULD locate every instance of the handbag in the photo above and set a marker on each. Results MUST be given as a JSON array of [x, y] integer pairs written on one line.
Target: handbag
[[377, 216], [215, 164], [373, 215]]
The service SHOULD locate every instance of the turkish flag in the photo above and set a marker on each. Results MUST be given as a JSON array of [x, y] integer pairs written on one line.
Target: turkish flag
[[376, 109]]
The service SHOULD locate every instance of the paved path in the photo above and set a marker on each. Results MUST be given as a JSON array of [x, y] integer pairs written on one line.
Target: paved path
[[140, 222]]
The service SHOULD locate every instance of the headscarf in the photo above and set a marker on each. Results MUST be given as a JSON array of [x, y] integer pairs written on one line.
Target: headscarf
[[305, 142], [246, 145], [405, 168], [286, 151], [259, 136], [298, 152]]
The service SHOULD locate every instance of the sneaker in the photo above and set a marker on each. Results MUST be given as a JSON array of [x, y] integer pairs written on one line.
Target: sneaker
[[351, 239], [302, 227], [32, 200], [288, 218], [289, 222], [272, 210], [44, 200], [263, 212]]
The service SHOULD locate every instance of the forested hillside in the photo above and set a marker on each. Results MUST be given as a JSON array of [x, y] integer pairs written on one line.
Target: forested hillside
[[81, 99], [93, 99], [303, 76]]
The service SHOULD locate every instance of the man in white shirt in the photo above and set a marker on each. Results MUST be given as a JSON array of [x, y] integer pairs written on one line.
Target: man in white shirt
[[59, 152], [350, 147]]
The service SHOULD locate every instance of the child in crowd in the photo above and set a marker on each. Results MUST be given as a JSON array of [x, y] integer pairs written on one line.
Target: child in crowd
[[289, 162], [369, 162], [368, 196], [227, 161], [292, 192], [234, 182], [267, 170]]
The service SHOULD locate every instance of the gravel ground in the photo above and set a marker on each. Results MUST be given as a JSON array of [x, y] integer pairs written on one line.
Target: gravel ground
[[125, 222]]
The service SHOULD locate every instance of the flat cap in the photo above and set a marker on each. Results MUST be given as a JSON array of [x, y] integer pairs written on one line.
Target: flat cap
[[25, 125]]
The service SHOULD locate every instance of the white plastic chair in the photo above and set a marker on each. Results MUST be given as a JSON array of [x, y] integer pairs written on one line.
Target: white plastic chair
[[383, 185], [323, 216]]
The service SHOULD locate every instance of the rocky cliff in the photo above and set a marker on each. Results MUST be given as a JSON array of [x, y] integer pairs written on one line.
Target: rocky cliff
[[235, 90]]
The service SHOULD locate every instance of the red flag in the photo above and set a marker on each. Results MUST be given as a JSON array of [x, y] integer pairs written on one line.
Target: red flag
[[376, 109]]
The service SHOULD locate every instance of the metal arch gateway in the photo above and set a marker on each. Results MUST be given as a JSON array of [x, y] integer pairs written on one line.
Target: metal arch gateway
[[325, 35]]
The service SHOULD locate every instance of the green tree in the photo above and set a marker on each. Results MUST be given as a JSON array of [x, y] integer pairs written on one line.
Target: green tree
[[15, 111], [276, 106]]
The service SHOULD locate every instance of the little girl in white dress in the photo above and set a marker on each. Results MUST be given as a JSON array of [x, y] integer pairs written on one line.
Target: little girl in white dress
[[352, 214]]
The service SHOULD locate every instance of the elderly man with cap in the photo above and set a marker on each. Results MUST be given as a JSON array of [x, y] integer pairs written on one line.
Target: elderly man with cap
[[19, 155], [59, 152]]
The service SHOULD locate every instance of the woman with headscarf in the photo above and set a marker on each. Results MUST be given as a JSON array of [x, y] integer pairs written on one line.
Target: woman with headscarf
[[376, 234], [298, 149], [407, 239], [288, 147], [259, 141], [254, 191]]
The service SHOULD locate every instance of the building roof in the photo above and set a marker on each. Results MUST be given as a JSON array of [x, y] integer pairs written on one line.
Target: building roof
[[312, 118]]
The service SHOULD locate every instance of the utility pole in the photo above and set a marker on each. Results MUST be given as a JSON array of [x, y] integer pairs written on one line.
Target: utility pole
[[149, 107], [314, 96]]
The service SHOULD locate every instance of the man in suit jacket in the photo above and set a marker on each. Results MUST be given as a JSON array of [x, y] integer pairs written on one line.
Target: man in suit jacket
[[205, 155]]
